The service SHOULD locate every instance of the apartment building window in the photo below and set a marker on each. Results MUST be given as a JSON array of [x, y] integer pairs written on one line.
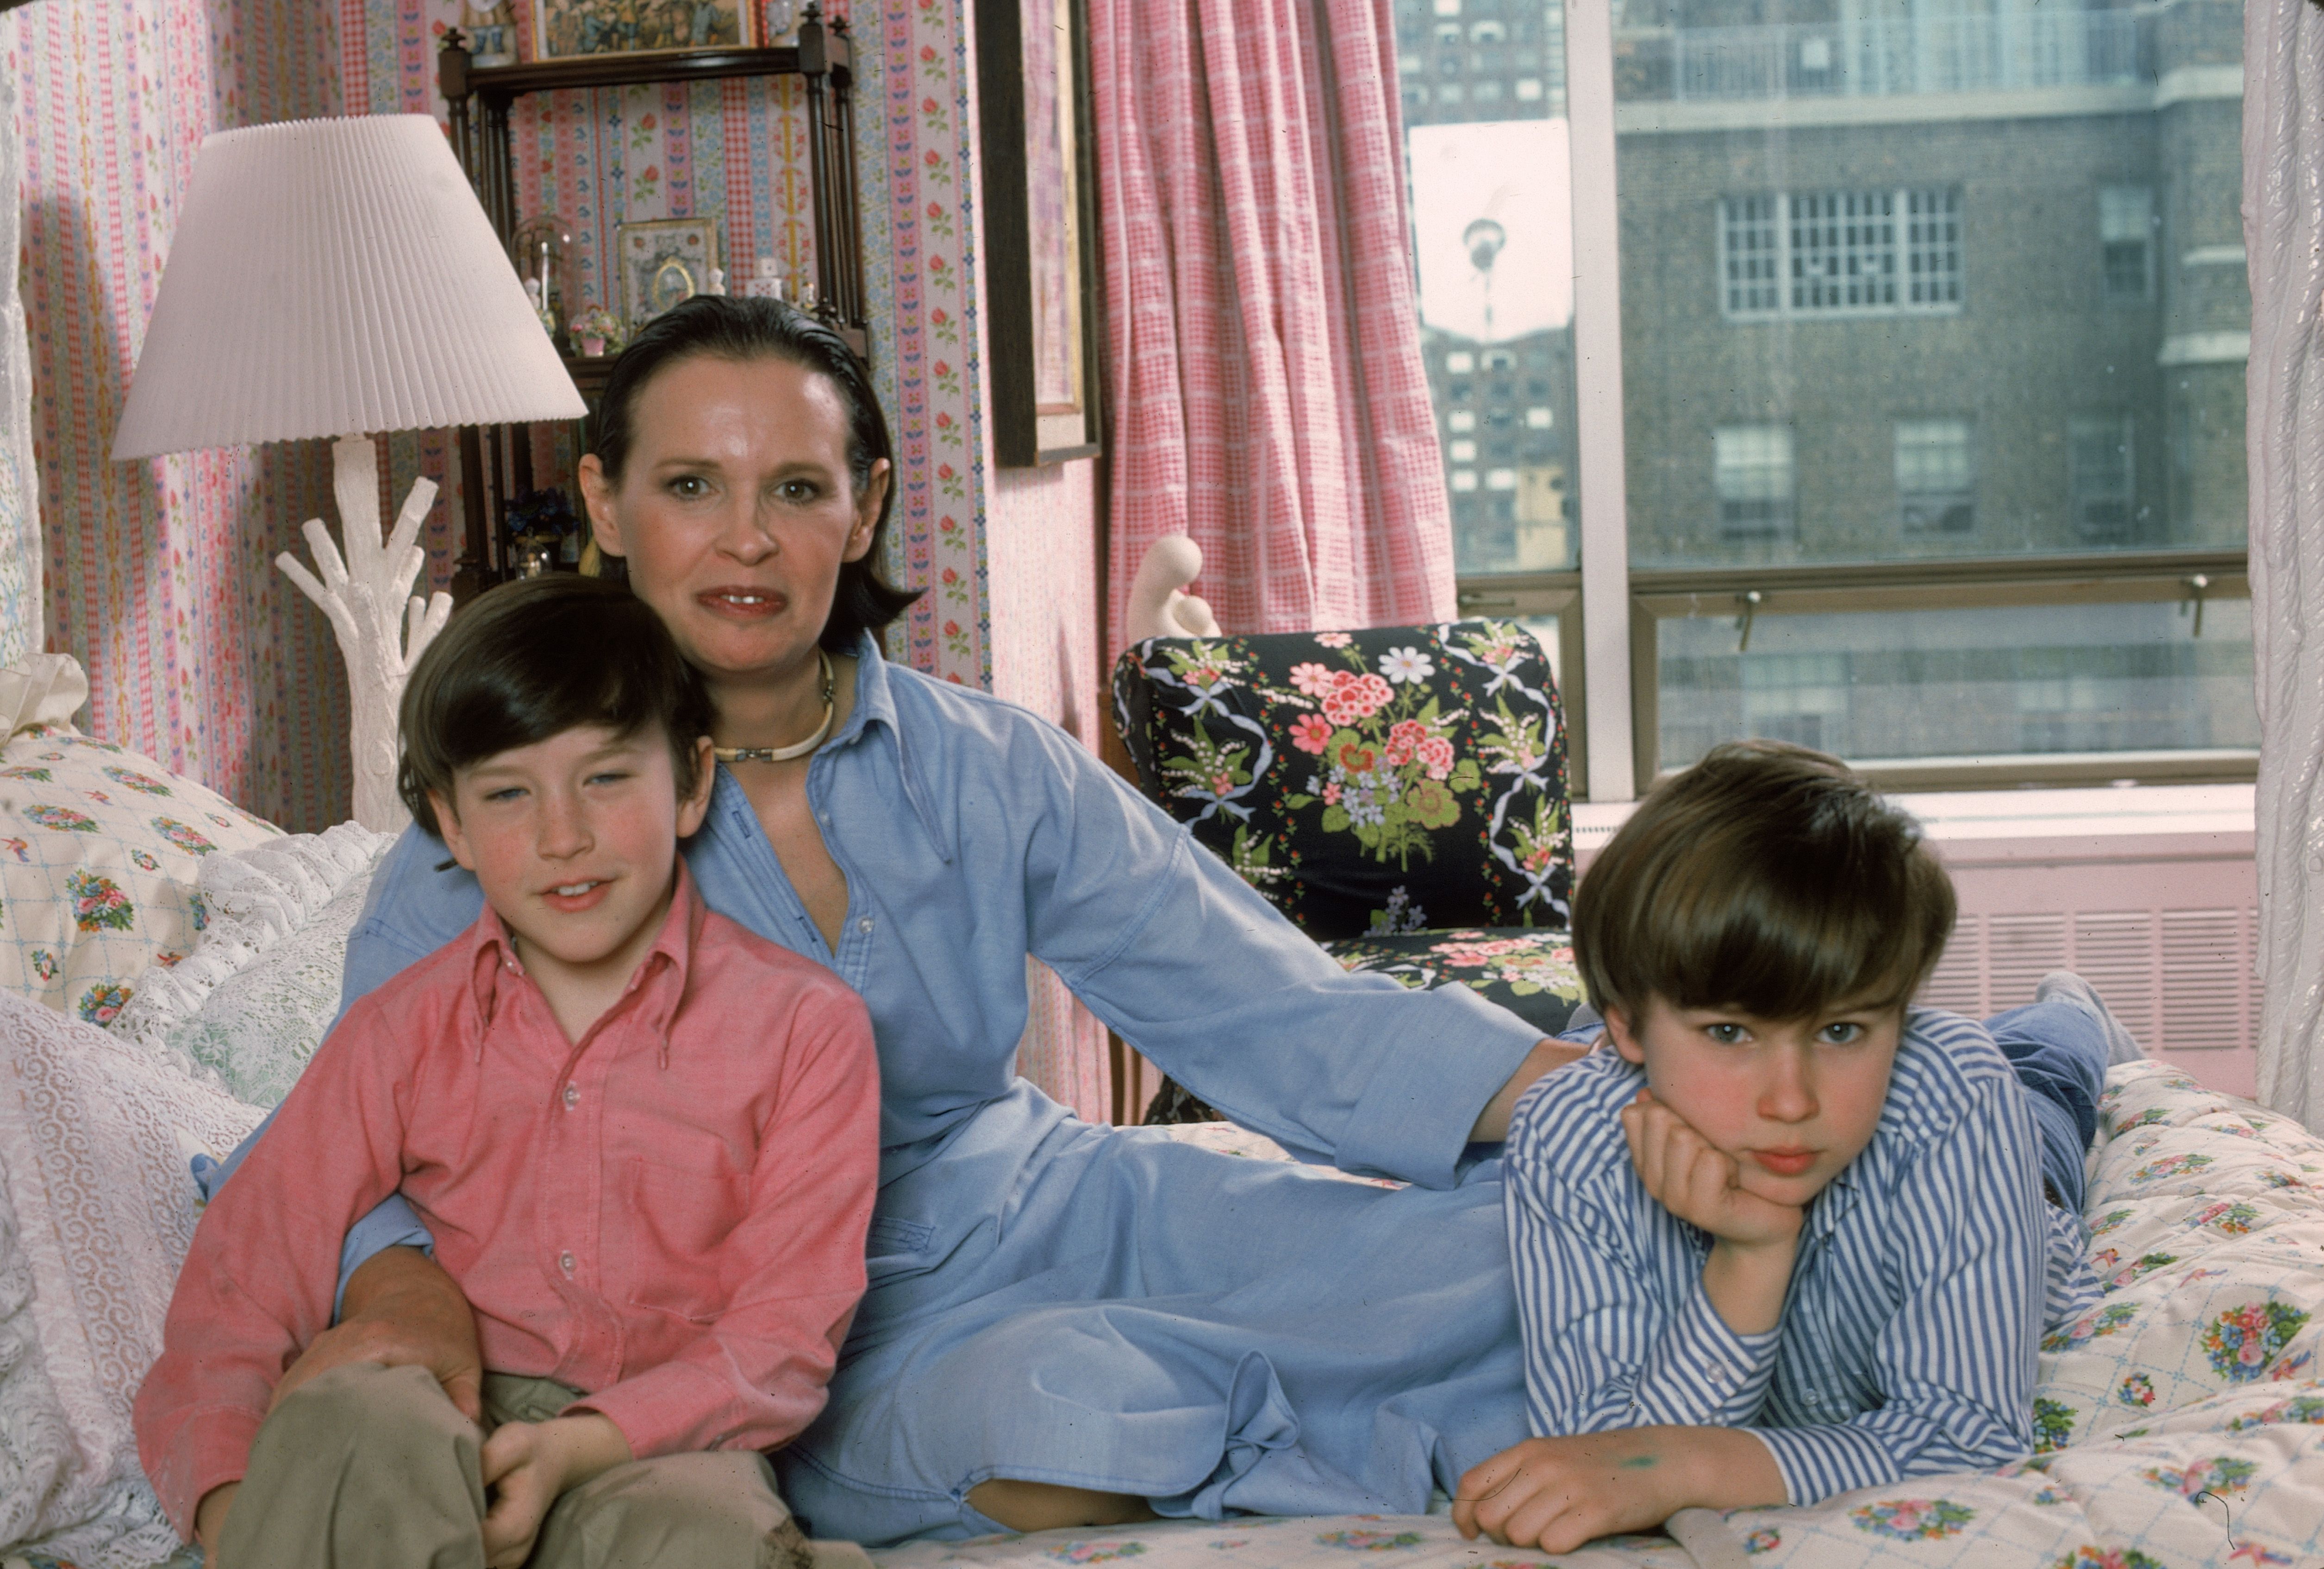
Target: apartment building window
[[1841, 252], [2126, 241], [1751, 471], [1936, 476], [2102, 477], [1931, 476]]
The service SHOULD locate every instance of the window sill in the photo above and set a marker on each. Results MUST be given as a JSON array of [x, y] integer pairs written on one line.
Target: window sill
[[2142, 821]]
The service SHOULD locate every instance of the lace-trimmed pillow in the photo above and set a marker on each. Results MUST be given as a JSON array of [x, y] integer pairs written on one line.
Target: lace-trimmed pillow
[[101, 851], [246, 1009], [96, 1212]]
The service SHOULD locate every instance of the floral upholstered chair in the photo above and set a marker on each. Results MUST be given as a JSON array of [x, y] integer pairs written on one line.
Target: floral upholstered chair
[[1400, 792]]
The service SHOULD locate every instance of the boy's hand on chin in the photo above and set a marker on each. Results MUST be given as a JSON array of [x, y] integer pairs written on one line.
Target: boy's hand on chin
[[1557, 1493], [529, 1465], [1698, 1183]]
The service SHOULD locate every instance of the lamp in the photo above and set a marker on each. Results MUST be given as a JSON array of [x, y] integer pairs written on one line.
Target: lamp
[[337, 277]]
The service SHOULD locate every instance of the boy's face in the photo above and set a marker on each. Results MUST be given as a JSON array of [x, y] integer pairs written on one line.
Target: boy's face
[[574, 839], [1793, 1101]]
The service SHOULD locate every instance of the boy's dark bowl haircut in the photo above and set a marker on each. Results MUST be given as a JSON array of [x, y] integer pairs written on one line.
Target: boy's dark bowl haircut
[[1769, 878], [534, 658]]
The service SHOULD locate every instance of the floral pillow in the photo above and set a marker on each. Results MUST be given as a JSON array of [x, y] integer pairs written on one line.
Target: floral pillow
[[99, 853], [1375, 782], [1532, 974]]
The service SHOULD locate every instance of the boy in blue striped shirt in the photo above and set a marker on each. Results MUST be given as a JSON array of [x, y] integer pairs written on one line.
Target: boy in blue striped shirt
[[1781, 1235]]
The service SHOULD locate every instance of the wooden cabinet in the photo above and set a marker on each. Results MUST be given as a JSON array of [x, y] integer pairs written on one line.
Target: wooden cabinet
[[496, 460]]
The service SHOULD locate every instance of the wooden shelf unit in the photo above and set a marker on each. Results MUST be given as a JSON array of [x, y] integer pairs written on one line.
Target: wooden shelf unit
[[496, 460]]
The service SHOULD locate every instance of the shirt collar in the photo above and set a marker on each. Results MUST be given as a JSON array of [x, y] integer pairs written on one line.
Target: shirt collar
[[875, 700], [659, 982]]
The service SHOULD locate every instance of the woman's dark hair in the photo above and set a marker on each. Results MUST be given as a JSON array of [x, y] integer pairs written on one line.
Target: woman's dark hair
[[729, 328], [1767, 877], [534, 658]]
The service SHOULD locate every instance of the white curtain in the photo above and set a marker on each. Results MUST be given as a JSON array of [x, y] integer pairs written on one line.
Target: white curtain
[[2283, 228]]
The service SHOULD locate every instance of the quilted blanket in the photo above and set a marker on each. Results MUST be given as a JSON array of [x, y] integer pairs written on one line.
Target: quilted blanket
[[2181, 1423]]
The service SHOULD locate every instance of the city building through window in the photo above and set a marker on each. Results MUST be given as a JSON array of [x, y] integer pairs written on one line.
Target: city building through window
[[1837, 422]]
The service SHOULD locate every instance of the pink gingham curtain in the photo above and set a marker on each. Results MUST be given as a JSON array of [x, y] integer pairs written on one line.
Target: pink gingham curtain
[[1265, 394]]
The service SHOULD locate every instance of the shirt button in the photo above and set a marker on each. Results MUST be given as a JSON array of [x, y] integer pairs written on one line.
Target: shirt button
[[864, 924], [824, 818], [572, 1095], [565, 1262]]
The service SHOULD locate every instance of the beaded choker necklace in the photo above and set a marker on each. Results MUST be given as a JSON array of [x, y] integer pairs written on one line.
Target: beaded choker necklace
[[799, 749]]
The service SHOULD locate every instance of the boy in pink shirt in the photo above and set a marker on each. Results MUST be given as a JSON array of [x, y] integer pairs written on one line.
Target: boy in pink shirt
[[645, 1141]]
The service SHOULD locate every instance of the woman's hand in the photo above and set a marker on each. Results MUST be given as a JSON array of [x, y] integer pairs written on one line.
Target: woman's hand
[[209, 1520], [401, 1310], [529, 1465], [1557, 1493]]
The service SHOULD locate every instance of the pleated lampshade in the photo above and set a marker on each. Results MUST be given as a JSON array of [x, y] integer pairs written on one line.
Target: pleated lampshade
[[335, 278]]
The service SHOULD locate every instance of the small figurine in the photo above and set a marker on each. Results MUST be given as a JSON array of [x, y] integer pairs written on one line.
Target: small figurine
[[540, 308], [491, 34], [717, 284]]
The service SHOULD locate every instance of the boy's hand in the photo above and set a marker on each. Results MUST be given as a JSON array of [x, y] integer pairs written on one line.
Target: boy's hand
[[1700, 1184], [1557, 1493], [529, 1465]]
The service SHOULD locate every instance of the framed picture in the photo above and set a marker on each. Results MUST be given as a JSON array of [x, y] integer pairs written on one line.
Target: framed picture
[[663, 262], [573, 29], [1040, 230]]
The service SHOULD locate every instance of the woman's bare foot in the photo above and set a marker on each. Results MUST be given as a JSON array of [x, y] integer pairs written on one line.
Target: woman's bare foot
[[1045, 1506]]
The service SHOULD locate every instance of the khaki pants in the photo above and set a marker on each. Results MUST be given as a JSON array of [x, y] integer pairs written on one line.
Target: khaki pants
[[371, 1467]]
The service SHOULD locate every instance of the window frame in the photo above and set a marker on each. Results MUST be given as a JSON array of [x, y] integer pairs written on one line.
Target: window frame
[[1608, 612]]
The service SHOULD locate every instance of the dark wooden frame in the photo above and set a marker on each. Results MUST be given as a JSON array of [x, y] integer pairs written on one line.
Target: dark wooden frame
[[496, 460], [1018, 439]]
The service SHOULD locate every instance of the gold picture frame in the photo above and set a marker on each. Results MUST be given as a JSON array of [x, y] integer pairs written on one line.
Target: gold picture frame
[[581, 29], [663, 261]]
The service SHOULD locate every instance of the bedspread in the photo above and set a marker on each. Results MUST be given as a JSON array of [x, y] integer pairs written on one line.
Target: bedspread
[[2180, 1422]]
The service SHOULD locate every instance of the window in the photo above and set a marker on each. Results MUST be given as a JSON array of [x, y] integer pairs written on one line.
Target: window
[[1860, 253], [1752, 473], [1930, 476], [2125, 240], [2102, 484], [1936, 476]]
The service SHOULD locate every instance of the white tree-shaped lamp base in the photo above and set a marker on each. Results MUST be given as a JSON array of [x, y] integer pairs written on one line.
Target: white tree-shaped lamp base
[[364, 596]]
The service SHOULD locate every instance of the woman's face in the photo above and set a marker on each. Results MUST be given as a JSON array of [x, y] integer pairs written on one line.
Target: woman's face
[[735, 508]]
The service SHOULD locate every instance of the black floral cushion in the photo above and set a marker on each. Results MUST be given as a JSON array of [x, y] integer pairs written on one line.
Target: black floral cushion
[[1528, 971], [1369, 783]]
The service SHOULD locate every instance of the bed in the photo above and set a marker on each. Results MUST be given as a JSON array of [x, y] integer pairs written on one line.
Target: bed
[[2181, 1423]]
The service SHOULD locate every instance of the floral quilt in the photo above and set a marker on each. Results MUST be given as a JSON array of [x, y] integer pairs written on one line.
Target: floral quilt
[[2180, 1422]]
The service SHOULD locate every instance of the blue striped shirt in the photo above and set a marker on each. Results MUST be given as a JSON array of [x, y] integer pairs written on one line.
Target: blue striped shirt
[[1926, 1273]]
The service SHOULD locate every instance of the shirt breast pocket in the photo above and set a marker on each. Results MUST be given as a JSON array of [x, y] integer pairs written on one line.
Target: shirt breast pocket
[[680, 1218]]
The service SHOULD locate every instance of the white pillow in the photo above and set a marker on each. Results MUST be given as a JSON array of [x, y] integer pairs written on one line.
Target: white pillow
[[246, 1009], [97, 1208]]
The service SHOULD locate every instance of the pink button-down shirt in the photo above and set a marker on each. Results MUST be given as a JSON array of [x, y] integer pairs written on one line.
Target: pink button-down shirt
[[669, 1214]]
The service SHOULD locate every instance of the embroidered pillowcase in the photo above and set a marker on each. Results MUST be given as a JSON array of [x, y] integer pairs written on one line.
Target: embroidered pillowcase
[[100, 853], [246, 1009]]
